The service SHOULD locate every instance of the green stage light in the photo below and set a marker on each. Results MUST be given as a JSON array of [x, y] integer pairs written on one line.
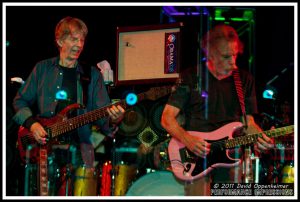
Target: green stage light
[[229, 14]]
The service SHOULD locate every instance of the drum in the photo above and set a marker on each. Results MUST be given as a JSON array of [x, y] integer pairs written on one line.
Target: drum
[[288, 173], [85, 181], [160, 183], [125, 174], [106, 181]]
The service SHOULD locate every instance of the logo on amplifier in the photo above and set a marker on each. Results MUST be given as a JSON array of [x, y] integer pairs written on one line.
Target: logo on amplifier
[[171, 52]]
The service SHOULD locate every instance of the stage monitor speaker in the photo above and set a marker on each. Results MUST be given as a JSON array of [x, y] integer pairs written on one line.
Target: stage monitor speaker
[[148, 54], [155, 114], [134, 121]]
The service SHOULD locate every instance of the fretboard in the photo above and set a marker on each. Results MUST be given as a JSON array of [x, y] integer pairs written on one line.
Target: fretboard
[[252, 138], [65, 126]]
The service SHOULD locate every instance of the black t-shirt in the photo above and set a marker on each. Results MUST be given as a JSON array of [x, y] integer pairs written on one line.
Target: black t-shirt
[[69, 92], [214, 103], [68, 89]]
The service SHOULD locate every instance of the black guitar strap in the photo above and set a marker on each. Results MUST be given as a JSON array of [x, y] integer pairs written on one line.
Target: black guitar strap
[[240, 93]]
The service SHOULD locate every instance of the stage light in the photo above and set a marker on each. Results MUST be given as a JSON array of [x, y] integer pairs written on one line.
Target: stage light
[[131, 99], [184, 10], [237, 14], [61, 95], [269, 93], [204, 94]]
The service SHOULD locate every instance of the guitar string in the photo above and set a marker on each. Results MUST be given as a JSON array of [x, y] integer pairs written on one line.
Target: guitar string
[[59, 128], [253, 137], [231, 142], [68, 125], [282, 130], [277, 132], [64, 126], [250, 138]]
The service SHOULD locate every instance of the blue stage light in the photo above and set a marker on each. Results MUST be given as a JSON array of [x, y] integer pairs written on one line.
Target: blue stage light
[[61, 95], [131, 99], [270, 92]]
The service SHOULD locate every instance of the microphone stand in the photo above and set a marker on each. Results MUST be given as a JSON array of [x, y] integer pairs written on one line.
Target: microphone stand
[[277, 76]]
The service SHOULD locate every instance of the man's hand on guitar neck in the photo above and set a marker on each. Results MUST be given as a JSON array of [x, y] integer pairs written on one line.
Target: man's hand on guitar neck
[[263, 144], [38, 132], [116, 114]]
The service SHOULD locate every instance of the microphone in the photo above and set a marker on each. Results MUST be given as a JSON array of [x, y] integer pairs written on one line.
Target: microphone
[[17, 79], [107, 72], [281, 72]]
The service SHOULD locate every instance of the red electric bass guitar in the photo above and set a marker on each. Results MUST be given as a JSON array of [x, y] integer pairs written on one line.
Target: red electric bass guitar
[[60, 124]]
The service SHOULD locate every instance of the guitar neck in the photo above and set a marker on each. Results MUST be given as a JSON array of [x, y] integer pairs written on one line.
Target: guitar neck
[[89, 117], [252, 138]]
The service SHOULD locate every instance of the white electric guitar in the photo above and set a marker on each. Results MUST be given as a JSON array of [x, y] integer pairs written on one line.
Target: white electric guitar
[[187, 166]]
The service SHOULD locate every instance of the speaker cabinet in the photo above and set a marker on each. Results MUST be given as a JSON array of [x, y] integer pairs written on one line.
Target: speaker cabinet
[[135, 120], [148, 54], [139, 133], [148, 137], [155, 116]]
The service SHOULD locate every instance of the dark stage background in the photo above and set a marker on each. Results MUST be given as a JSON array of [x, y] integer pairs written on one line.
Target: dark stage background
[[30, 32]]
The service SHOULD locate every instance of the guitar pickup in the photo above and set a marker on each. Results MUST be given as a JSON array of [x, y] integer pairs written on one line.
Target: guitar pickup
[[49, 132]]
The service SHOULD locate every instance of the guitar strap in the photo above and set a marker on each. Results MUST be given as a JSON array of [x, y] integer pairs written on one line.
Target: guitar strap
[[240, 93]]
